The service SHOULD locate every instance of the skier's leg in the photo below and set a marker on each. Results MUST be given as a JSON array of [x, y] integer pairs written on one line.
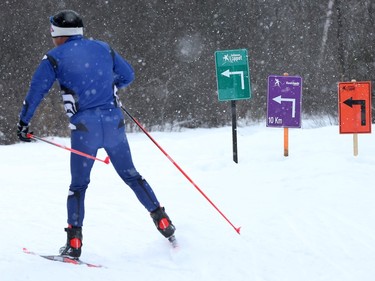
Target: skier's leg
[[80, 168], [80, 172], [126, 170], [86, 136], [117, 147], [122, 161]]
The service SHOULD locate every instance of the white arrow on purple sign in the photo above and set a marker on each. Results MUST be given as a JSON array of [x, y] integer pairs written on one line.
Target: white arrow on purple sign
[[279, 100], [284, 101]]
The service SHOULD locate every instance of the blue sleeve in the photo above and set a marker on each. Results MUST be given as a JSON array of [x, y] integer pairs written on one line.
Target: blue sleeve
[[41, 83], [123, 71]]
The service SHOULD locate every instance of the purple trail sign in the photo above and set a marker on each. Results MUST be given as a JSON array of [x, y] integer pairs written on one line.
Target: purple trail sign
[[284, 101]]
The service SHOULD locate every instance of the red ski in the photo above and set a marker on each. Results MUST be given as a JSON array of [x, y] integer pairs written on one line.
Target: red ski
[[63, 259]]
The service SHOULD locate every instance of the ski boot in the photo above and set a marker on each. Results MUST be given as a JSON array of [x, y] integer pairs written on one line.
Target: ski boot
[[164, 224], [73, 246]]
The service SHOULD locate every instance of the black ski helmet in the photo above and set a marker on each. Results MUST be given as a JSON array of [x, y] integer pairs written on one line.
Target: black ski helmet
[[67, 18], [66, 23]]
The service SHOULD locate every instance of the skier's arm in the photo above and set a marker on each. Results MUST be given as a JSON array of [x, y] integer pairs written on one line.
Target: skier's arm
[[123, 71], [42, 81]]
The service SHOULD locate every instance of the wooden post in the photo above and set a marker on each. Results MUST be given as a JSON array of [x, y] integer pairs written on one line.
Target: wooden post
[[355, 137], [355, 144], [286, 136], [286, 142]]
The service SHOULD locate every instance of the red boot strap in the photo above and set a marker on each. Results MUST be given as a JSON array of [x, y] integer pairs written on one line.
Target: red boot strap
[[75, 243], [163, 223]]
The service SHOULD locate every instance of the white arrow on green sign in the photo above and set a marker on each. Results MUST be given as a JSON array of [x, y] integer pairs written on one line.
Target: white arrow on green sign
[[228, 73]]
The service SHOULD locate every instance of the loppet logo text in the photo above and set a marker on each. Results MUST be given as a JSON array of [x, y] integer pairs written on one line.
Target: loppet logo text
[[232, 58]]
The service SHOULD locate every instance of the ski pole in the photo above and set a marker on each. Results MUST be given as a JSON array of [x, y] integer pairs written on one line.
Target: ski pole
[[237, 229], [106, 160]]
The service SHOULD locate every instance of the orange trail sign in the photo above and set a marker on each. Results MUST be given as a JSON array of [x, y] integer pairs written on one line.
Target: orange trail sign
[[354, 107]]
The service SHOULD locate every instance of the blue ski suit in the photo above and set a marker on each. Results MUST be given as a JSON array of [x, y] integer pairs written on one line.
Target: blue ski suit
[[89, 73]]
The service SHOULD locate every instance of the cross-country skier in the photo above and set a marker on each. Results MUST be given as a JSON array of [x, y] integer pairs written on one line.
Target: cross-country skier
[[89, 73]]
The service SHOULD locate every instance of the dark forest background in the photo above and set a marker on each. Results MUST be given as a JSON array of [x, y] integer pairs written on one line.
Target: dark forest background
[[171, 45]]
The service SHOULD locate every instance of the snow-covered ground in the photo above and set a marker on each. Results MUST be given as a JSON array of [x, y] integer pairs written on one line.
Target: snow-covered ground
[[309, 216]]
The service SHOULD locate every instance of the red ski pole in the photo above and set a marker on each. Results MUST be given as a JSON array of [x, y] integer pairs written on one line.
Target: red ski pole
[[237, 229], [106, 160]]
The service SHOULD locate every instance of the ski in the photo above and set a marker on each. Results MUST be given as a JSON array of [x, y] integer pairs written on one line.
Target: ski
[[63, 259], [173, 241]]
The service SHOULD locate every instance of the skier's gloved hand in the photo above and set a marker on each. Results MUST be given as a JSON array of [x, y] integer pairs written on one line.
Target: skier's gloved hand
[[22, 131]]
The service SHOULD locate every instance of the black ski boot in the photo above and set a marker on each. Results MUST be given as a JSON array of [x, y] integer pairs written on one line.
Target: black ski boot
[[73, 245], [164, 224]]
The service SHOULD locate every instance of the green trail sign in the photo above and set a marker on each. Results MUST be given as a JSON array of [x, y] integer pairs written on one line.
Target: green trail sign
[[233, 83], [232, 74]]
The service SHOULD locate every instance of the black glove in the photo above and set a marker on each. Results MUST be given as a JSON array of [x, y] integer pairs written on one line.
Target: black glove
[[22, 131]]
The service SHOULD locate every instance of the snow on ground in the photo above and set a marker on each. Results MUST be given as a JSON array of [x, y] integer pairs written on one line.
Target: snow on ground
[[309, 216]]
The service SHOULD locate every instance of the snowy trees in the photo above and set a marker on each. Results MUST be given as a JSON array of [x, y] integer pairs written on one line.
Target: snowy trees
[[171, 45]]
